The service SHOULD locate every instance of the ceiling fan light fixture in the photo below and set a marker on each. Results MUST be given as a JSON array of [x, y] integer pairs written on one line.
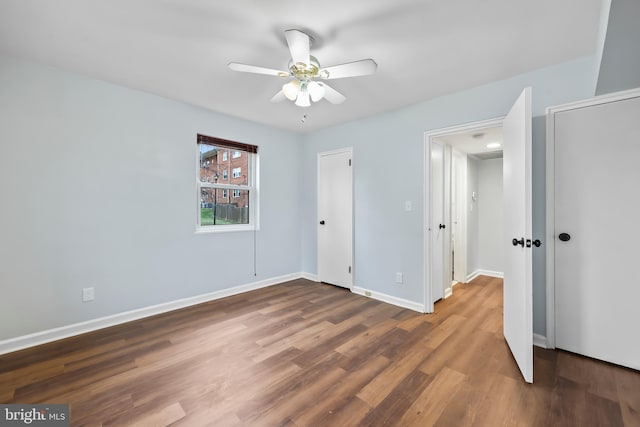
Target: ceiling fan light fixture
[[303, 98], [291, 89], [316, 91]]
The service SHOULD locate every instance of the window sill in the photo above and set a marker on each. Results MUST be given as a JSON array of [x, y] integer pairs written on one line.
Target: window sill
[[225, 229]]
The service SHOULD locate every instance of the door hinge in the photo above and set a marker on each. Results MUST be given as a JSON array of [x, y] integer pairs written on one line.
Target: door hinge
[[349, 162], [349, 269]]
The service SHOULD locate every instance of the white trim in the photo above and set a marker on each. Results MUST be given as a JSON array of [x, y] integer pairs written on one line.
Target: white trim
[[37, 338], [400, 302], [428, 136], [550, 190], [447, 292], [481, 272], [310, 276], [539, 340]]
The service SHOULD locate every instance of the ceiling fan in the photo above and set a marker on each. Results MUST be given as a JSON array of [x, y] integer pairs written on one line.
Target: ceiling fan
[[306, 70]]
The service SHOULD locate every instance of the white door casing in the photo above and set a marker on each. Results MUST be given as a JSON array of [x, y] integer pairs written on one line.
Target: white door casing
[[518, 312], [335, 217], [595, 151]]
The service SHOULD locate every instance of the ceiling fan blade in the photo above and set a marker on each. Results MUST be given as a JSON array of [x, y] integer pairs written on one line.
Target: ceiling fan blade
[[332, 95], [278, 97], [298, 46], [350, 69], [235, 66]]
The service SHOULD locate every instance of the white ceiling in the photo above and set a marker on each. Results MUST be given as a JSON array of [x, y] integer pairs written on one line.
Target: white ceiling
[[179, 49], [474, 142]]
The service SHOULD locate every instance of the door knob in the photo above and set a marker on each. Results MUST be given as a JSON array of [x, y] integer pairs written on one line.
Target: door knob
[[441, 226], [535, 243], [517, 242], [322, 222], [565, 237]]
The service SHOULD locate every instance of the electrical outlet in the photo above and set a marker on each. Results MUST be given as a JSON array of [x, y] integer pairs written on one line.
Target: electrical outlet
[[88, 294], [408, 206], [399, 278], [367, 293]]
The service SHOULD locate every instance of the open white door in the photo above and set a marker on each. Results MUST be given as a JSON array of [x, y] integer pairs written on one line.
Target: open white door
[[437, 221], [518, 313], [335, 217]]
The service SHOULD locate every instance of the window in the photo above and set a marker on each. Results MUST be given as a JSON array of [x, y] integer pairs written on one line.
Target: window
[[216, 210]]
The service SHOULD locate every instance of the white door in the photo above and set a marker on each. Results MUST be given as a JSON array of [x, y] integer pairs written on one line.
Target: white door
[[597, 151], [518, 313], [437, 221], [446, 222], [335, 217]]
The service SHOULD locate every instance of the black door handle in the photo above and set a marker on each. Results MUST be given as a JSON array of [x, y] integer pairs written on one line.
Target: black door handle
[[441, 226], [565, 237], [322, 222], [535, 243], [517, 242]]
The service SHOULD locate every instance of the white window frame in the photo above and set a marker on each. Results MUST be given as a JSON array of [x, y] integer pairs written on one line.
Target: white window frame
[[236, 154], [225, 155], [239, 173], [252, 187], [225, 175]]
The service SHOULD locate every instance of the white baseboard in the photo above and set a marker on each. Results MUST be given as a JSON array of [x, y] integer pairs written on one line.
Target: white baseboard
[[25, 341], [400, 302], [310, 276], [539, 340], [481, 272], [448, 292]]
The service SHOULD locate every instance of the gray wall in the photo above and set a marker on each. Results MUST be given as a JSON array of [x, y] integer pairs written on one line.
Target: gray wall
[[97, 188], [620, 64], [490, 212], [389, 153]]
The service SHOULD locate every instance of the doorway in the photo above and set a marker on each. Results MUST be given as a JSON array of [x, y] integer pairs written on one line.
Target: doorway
[[335, 217], [466, 209], [516, 241]]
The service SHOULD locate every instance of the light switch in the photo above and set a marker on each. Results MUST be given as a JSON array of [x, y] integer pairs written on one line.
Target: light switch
[[407, 206]]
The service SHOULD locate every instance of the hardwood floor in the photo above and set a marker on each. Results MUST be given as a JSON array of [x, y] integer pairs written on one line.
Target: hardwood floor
[[307, 354]]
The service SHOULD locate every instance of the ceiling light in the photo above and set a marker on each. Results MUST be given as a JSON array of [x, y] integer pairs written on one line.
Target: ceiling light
[[291, 89], [493, 145], [316, 90], [303, 98]]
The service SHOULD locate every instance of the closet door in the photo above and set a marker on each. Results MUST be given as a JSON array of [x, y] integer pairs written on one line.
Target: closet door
[[597, 231]]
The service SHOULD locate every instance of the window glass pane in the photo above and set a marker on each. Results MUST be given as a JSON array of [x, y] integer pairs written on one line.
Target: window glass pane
[[221, 207], [215, 167]]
